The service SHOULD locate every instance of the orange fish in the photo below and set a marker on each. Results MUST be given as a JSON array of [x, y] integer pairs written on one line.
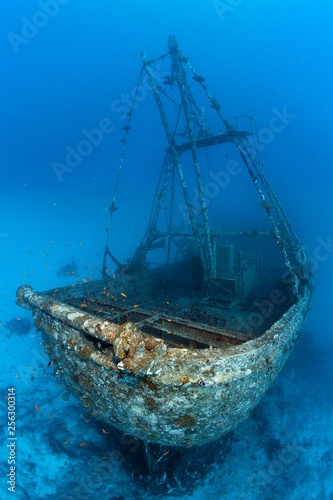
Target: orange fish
[[37, 408]]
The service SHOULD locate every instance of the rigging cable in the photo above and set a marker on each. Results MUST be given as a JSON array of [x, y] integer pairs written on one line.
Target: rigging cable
[[113, 206], [249, 159]]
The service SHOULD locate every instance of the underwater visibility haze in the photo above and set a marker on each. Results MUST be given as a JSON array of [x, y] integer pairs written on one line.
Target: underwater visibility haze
[[76, 174]]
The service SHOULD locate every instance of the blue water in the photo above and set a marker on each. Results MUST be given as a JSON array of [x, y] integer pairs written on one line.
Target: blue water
[[67, 67]]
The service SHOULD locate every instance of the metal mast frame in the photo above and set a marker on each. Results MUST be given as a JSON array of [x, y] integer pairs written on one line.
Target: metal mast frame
[[282, 228]]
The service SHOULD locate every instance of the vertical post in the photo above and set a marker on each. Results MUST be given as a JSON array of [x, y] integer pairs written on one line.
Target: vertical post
[[175, 159], [181, 79]]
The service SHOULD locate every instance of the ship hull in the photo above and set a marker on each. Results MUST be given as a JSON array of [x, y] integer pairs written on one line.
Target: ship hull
[[157, 393]]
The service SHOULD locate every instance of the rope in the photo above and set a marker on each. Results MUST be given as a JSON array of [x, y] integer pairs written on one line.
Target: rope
[[113, 206], [246, 153], [171, 214]]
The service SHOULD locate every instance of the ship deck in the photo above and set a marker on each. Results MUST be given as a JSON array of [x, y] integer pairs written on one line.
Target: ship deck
[[182, 321]]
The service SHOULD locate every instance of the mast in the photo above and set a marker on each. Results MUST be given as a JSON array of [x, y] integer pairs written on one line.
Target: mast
[[198, 135], [174, 156], [179, 76]]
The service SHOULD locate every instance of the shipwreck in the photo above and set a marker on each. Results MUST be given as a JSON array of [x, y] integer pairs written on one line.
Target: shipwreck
[[178, 344]]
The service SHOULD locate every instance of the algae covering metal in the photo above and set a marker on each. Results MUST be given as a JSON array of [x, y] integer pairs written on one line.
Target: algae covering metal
[[139, 384]]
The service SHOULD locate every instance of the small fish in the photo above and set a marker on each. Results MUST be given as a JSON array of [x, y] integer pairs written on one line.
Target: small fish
[[123, 295], [69, 269], [83, 444], [37, 408], [65, 395], [104, 431], [266, 205], [65, 442], [51, 416]]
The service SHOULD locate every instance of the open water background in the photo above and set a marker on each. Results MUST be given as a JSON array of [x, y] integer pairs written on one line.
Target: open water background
[[65, 67]]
